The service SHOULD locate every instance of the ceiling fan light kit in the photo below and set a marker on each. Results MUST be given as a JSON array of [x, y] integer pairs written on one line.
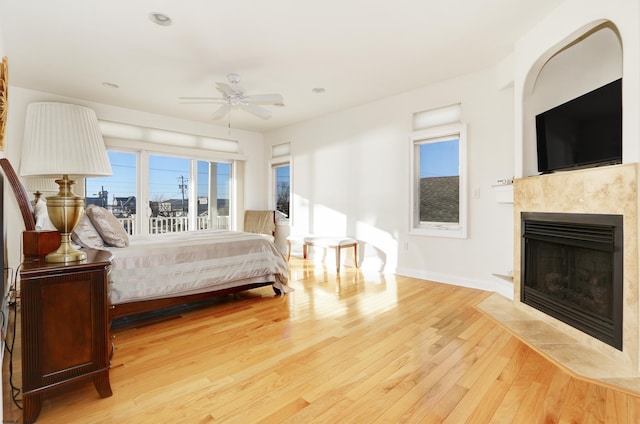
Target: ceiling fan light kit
[[233, 78], [233, 96]]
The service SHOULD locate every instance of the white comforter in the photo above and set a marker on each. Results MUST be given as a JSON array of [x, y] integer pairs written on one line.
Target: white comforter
[[167, 265]]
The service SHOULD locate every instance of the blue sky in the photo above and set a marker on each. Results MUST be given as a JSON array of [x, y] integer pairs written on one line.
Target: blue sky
[[122, 183], [166, 175], [439, 159], [282, 175]]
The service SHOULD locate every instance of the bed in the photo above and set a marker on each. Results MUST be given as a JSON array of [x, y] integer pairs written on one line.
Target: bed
[[162, 270]]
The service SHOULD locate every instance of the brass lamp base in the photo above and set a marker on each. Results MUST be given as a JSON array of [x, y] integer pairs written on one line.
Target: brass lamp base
[[65, 253], [65, 210]]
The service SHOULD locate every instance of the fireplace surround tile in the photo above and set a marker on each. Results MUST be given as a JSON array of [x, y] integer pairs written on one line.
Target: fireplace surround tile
[[605, 190]]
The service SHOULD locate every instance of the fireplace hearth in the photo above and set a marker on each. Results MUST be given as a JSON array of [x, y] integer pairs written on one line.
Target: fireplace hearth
[[572, 270]]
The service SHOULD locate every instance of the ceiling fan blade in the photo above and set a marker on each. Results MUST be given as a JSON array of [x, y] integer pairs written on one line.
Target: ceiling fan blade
[[225, 89], [265, 99], [229, 90], [222, 111], [205, 102], [201, 98], [257, 110]]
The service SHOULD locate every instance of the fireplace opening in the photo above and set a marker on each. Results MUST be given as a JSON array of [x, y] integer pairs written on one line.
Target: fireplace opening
[[572, 270]]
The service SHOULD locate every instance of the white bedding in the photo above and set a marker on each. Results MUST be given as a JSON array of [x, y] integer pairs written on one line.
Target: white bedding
[[166, 265]]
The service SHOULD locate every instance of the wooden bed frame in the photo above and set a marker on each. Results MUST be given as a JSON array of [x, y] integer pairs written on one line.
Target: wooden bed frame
[[22, 197], [133, 308], [124, 309]]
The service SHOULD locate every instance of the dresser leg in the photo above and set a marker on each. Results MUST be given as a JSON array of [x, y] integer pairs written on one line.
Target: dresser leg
[[101, 381], [31, 403]]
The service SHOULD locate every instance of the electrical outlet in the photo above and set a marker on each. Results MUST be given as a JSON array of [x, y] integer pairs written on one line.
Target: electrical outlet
[[475, 192]]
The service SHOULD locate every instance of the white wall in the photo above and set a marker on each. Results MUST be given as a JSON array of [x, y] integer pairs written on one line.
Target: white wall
[[351, 177], [250, 146], [351, 169], [583, 66]]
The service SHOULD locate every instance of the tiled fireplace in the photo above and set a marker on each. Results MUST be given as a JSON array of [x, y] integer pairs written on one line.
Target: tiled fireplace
[[610, 191]]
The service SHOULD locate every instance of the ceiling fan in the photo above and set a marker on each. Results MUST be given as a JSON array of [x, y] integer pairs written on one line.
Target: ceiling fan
[[234, 96]]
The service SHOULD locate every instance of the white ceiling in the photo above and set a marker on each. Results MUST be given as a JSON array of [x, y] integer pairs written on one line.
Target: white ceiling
[[359, 51]]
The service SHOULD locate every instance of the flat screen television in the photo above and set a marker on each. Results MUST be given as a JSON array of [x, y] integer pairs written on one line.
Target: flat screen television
[[583, 132]]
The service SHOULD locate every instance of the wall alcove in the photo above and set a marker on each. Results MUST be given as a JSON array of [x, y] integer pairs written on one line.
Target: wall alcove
[[588, 62]]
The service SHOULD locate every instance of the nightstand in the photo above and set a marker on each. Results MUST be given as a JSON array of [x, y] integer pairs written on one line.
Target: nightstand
[[65, 327]]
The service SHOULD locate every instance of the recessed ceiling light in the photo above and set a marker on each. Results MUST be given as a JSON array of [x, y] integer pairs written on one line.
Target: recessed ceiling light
[[318, 90], [160, 18], [110, 85]]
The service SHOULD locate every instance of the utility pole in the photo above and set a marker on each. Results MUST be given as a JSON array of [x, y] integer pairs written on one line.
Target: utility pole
[[103, 195], [183, 187]]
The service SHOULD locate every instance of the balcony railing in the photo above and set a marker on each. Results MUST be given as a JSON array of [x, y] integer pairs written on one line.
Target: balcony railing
[[160, 225]]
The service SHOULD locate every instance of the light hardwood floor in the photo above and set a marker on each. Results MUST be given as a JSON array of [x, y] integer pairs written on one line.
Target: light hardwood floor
[[353, 348]]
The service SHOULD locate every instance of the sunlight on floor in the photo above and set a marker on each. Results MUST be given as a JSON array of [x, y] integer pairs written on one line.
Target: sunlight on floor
[[312, 283]]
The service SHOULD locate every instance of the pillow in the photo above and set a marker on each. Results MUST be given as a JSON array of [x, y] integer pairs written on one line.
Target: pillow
[[86, 235], [110, 229], [41, 214]]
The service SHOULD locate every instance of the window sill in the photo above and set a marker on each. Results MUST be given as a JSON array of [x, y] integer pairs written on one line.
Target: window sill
[[436, 231]]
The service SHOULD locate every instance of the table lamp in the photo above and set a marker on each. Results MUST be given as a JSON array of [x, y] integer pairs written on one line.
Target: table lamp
[[60, 140]]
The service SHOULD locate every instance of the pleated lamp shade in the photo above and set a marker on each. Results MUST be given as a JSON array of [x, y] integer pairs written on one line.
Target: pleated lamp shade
[[62, 138]]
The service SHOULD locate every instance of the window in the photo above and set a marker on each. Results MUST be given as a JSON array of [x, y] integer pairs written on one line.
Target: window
[[438, 181], [168, 202], [118, 192], [214, 186], [168, 194], [281, 181], [207, 209], [281, 189]]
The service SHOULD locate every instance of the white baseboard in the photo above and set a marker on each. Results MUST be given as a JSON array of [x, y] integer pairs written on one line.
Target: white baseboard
[[496, 284]]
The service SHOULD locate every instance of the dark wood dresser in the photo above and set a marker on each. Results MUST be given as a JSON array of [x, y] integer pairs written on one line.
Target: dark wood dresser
[[65, 327]]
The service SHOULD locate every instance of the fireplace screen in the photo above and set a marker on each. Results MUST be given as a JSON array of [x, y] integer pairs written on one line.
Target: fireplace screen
[[572, 270]]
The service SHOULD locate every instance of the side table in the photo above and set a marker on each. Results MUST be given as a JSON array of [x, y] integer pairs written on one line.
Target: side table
[[65, 327]]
